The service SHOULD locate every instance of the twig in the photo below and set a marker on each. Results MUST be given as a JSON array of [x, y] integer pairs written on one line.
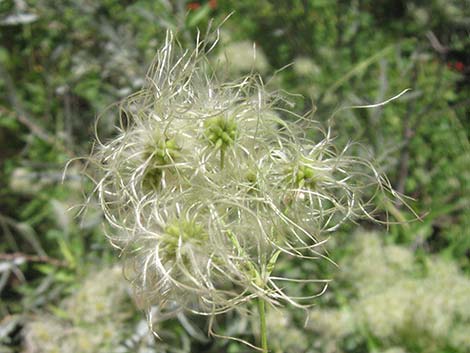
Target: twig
[[34, 128], [18, 256], [407, 135], [383, 87], [437, 46]]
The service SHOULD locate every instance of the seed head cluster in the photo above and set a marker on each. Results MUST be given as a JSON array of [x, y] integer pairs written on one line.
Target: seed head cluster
[[207, 184]]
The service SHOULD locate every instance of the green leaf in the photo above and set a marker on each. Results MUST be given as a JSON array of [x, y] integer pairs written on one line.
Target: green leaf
[[198, 16]]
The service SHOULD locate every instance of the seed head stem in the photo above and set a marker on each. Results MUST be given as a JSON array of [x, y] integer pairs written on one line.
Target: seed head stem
[[222, 156], [262, 325]]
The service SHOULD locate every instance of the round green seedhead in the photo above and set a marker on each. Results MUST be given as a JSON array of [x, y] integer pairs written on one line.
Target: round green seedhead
[[180, 235], [251, 177], [163, 151], [161, 156], [221, 133], [302, 176]]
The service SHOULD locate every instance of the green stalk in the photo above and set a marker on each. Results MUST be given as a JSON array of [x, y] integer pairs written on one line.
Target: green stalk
[[262, 325], [222, 156]]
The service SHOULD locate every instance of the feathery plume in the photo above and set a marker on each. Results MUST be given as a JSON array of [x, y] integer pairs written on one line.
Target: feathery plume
[[207, 184]]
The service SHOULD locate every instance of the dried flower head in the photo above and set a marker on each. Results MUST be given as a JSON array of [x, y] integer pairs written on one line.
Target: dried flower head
[[207, 183]]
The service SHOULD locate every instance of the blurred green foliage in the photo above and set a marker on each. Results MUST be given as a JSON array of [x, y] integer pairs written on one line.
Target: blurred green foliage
[[63, 63]]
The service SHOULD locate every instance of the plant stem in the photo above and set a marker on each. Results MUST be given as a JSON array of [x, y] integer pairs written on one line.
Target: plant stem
[[262, 325], [222, 156]]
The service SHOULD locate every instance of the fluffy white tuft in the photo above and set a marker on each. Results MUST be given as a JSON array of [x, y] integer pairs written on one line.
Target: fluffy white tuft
[[208, 183]]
